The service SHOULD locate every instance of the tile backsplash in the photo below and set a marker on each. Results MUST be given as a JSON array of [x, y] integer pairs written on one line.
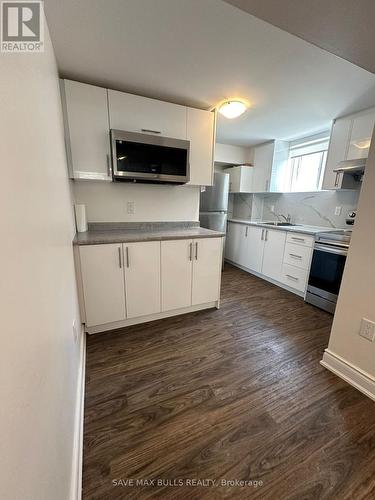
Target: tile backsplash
[[317, 208]]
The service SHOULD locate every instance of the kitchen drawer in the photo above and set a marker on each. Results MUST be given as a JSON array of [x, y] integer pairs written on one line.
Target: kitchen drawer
[[300, 239], [294, 277], [297, 255]]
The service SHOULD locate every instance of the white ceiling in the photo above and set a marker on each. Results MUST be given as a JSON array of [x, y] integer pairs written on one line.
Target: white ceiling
[[343, 27], [197, 52]]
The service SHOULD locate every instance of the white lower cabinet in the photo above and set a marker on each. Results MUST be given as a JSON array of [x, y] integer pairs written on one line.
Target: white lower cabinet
[[254, 248], [294, 277], [273, 254], [142, 278], [191, 271], [207, 262], [176, 272], [102, 283], [282, 256], [132, 281], [235, 242]]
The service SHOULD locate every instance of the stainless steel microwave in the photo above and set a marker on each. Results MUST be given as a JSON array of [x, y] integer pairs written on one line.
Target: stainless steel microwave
[[149, 158]]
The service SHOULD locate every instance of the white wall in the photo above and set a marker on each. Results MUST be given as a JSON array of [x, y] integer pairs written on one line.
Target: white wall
[[107, 202], [357, 294], [39, 358]]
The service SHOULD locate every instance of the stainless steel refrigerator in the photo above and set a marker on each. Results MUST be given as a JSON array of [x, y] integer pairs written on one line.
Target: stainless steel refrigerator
[[214, 204]]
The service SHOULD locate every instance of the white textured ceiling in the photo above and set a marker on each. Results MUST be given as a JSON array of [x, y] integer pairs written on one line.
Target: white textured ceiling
[[197, 52], [343, 27]]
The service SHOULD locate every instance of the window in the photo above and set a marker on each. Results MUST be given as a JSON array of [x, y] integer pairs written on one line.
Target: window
[[307, 171], [307, 160]]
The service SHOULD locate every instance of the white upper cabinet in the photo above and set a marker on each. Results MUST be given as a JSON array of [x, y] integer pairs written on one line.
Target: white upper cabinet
[[201, 134], [270, 160], [227, 154], [337, 151], [263, 160], [207, 262], [350, 139], [86, 130], [142, 278], [360, 137], [133, 113], [273, 253], [241, 179], [90, 112]]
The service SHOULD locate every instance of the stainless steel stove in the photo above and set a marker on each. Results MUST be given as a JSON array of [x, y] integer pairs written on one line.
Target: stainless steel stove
[[327, 267]]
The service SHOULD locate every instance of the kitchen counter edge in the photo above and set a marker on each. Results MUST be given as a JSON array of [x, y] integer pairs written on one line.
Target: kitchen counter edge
[[311, 230], [126, 236]]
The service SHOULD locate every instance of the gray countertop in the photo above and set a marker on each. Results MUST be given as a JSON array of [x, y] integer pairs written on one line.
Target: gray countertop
[[305, 229], [133, 232]]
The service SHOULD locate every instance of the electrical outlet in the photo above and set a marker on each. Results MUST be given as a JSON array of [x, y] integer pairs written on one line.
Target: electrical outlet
[[338, 210], [130, 207], [75, 331], [367, 329]]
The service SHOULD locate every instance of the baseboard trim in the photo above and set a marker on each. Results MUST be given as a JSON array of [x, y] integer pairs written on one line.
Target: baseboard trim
[[77, 462], [353, 375], [152, 317]]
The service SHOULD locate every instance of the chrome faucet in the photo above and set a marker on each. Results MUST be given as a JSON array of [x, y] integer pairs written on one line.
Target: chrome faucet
[[287, 218]]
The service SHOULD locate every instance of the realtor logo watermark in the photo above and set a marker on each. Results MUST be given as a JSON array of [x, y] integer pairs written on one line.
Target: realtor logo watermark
[[22, 26]]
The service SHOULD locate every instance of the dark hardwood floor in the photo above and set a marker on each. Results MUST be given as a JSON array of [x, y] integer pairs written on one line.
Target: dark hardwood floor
[[230, 394]]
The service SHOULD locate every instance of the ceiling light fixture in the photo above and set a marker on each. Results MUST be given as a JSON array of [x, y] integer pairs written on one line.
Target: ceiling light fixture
[[232, 108]]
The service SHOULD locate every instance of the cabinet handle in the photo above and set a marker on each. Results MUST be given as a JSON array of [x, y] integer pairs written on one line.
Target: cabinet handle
[[109, 166], [190, 251], [247, 230], [119, 257], [295, 256], [292, 277], [151, 131], [337, 179], [127, 256], [267, 184], [262, 234], [266, 235], [196, 251], [298, 239]]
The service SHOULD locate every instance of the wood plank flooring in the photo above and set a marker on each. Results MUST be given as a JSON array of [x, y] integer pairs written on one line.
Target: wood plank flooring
[[235, 394]]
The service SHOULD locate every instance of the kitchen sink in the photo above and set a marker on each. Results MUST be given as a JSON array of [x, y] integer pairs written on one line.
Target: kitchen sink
[[279, 224]]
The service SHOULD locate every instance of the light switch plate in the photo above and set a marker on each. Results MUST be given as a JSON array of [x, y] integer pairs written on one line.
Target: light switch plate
[[367, 329], [130, 207]]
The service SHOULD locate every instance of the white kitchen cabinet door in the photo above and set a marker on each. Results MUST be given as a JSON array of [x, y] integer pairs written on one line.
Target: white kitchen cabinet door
[[176, 274], [133, 113], [337, 151], [273, 254], [234, 241], [207, 262], [103, 283], [86, 130], [142, 278], [360, 137], [241, 179], [201, 134], [263, 161], [254, 248]]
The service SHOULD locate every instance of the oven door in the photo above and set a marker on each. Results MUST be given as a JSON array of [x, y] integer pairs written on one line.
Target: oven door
[[327, 267]]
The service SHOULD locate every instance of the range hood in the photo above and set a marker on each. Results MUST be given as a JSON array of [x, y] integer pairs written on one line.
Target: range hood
[[352, 167]]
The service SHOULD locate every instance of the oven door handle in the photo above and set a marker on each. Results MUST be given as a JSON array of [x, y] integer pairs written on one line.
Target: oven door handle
[[326, 248]]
